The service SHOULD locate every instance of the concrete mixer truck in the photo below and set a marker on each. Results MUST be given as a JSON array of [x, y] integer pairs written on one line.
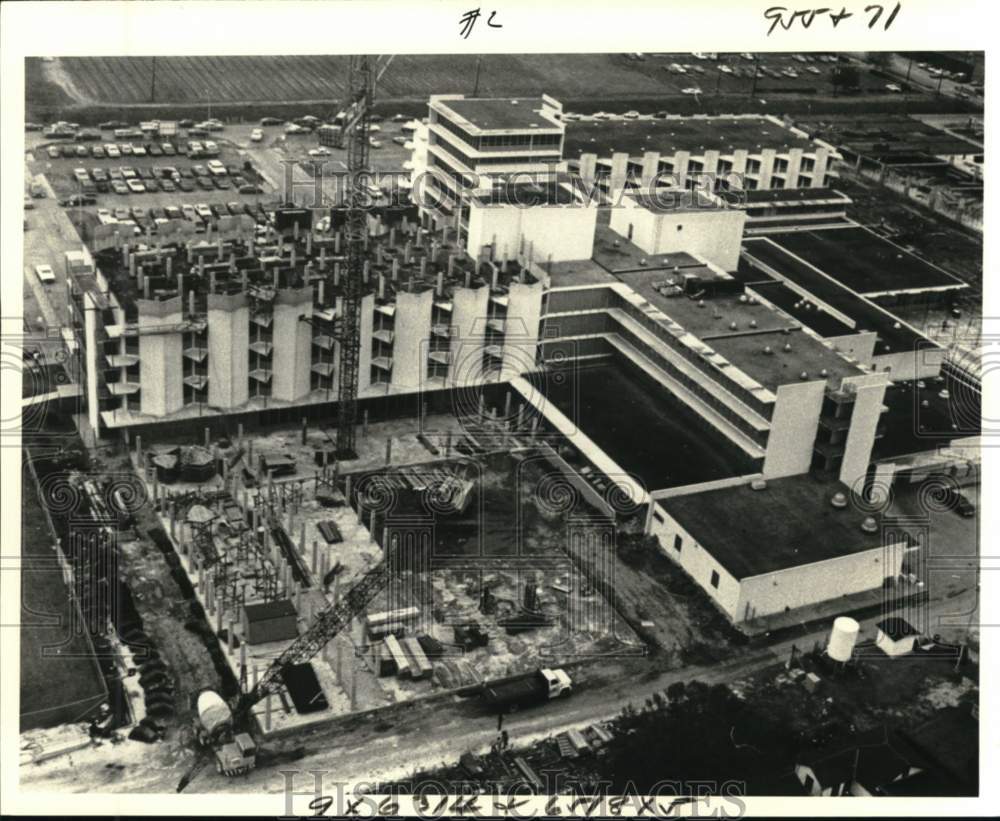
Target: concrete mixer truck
[[235, 753]]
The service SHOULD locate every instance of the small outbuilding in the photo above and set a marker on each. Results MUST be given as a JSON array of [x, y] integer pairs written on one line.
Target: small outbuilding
[[895, 636], [271, 621]]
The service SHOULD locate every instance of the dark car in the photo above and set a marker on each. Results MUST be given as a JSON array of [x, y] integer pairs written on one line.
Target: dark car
[[100, 174], [168, 149], [185, 123], [78, 199], [32, 126], [222, 183], [155, 150], [157, 213], [185, 184], [185, 172], [271, 121], [110, 125], [251, 189], [103, 187], [198, 132], [205, 183], [235, 208], [146, 173], [167, 185], [173, 212]]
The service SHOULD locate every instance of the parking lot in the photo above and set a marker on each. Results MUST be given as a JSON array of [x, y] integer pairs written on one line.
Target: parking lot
[[715, 73]]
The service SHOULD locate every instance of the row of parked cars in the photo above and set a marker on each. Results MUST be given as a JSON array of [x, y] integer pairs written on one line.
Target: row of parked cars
[[212, 176], [114, 151], [200, 215]]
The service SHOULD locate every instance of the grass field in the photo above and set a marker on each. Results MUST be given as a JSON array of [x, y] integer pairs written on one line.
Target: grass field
[[129, 80]]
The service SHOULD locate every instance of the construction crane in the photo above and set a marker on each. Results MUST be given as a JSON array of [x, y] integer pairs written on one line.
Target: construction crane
[[364, 73], [223, 732]]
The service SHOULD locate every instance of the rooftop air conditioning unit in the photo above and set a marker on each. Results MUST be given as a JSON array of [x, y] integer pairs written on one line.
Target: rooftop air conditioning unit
[[758, 484]]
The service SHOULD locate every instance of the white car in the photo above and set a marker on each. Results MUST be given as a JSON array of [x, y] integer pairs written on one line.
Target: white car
[[893, 88], [319, 152], [631, 115], [725, 69], [256, 135], [138, 151], [112, 151], [204, 211], [374, 128], [136, 186], [813, 70], [45, 274], [189, 213], [691, 90], [677, 68], [374, 143]]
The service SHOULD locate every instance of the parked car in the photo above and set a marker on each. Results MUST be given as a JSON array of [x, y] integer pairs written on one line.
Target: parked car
[[74, 200], [199, 171], [168, 149], [893, 88], [54, 152], [82, 151], [155, 150], [112, 151], [185, 123], [204, 183], [45, 274], [271, 121], [136, 186], [128, 172], [173, 212], [100, 174], [256, 135], [98, 152], [167, 185], [251, 189], [222, 183], [184, 184]]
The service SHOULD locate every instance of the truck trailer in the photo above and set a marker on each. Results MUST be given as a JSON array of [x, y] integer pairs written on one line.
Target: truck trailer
[[526, 690]]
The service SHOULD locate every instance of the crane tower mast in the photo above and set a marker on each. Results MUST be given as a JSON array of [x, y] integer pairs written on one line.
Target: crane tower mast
[[361, 86]]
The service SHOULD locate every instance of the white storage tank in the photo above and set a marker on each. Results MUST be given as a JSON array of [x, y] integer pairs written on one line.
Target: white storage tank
[[843, 637]]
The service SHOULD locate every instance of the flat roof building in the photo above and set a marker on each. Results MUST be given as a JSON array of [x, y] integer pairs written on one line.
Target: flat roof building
[[743, 152], [790, 543]]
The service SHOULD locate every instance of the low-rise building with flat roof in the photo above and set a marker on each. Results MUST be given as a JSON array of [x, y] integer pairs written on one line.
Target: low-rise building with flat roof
[[789, 544]]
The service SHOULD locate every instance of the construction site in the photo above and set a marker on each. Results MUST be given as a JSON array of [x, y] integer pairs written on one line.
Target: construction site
[[410, 463]]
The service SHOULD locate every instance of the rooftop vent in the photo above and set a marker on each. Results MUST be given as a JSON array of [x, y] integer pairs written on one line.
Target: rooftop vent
[[839, 500], [643, 263], [701, 303], [732, 326], [753, 323], [788, 347], [943, 393], [824, 372], [743, 298], [804, 375], [869, 525], [896, 325], [768, 350]]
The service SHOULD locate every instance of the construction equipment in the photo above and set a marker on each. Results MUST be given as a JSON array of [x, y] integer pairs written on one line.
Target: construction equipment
[[218, 732], [357, 120]]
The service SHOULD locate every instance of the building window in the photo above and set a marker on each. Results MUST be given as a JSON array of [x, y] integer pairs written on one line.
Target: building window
[[658, 517], [678, 542], [715, 579]]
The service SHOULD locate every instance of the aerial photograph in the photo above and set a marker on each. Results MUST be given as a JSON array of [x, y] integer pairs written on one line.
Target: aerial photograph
[[560, 424]]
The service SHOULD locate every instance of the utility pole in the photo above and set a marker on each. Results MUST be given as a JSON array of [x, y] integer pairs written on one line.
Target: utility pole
[[756, 66], [152, 85]]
